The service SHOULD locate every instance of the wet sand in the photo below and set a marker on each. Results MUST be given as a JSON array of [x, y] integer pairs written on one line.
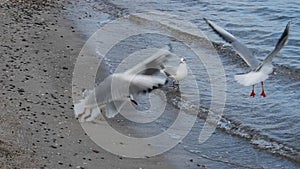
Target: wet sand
[[39, 47]]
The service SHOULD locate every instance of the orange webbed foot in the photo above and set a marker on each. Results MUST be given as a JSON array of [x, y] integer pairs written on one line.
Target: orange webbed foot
[[263, 94], [252, 93]]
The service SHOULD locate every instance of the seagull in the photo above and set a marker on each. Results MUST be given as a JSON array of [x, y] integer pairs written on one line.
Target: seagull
[[176, 73], [259, 70], [117, 89]]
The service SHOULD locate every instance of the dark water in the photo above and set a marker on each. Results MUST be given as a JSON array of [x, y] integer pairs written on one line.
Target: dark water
[[253, 132], [258, 24]]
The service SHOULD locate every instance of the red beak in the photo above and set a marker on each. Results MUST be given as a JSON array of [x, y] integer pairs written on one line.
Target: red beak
[[133, 101]]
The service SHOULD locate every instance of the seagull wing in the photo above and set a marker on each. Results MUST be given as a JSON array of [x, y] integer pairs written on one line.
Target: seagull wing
[[280, 44], [146, 83], [120, 86], [124, 85], [152, 64], [241, 49]]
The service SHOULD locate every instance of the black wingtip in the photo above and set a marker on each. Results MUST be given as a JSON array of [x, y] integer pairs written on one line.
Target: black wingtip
[[207, 21], [284, 37], [155, 87], [226, 36], [287, 27], [288, 24], [210, 24]]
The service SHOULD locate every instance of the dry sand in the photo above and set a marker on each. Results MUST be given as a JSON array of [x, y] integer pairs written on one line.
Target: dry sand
[[37, 126]]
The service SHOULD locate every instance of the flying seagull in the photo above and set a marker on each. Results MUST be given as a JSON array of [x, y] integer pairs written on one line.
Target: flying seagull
[[176, 73], [259, 70], [117, 89]]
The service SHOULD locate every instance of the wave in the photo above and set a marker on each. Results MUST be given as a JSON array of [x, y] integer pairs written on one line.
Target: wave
[[108, 7], [254, 137]]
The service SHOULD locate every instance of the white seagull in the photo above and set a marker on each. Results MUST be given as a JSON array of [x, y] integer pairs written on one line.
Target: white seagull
[[117, 89], [176, 73], [259, 70]]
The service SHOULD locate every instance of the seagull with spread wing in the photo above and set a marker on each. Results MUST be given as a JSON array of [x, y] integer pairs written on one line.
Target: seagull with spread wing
[[259, 70], [117, 89]]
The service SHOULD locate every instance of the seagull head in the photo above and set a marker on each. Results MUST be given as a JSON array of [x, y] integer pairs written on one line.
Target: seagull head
[[182, 60]]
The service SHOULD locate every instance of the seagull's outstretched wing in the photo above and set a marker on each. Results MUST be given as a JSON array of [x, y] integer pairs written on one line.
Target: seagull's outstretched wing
[[146, 83], [241, 49], [121, 85], [280, 44], [152, 64]]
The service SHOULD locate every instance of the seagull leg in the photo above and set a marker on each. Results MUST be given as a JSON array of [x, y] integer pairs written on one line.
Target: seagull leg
[[263, 94], [174, 84], [252, 93], [101, 118], [177, 84]]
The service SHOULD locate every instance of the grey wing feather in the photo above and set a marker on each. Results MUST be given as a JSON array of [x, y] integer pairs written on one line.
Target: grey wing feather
[[145, 83], [152, 64], [280, 44], [121, 85], [169, 71], [241, 49]]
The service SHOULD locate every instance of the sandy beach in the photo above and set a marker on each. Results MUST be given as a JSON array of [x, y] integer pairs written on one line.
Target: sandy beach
[[38, 49]]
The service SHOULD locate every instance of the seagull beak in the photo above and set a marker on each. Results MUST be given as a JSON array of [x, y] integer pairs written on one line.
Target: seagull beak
[[133, 101]]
